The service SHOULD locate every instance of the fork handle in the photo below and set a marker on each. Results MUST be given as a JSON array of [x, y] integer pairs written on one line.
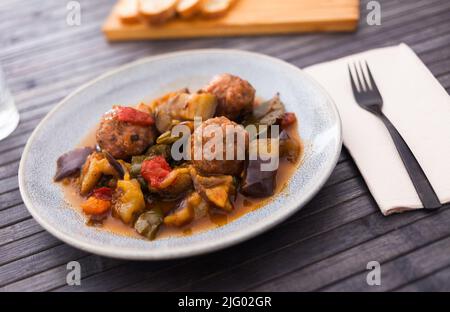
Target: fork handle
[[423, 187]]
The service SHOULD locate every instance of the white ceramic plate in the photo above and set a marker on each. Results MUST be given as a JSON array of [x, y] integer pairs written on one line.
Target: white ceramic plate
[[70, 121]]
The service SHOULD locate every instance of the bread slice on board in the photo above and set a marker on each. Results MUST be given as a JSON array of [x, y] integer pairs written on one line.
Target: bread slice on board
[[128, 11], [189, 8], [158, 11], [216, 8]]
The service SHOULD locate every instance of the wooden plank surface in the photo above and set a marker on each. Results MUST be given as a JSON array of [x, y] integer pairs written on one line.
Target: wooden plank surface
[[246, 17], [326, 246]]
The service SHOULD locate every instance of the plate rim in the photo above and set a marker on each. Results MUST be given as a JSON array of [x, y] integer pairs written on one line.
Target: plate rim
[[122, 253]]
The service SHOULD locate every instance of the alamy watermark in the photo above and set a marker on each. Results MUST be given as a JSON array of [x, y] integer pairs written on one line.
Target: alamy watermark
[[73, 17], [73, 277], [374, 15], [227, 142], [373, 18], [374, 276]]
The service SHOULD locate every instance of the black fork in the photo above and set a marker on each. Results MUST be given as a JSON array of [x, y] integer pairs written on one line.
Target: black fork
[[369, 98]]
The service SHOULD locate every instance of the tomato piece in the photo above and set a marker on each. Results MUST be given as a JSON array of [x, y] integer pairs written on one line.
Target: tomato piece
[[155, 170], [95, 206], [134, 116], [104, 193], [288, 119]]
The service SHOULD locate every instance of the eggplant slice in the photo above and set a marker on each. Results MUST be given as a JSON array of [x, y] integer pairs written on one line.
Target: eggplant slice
[[71, 162]]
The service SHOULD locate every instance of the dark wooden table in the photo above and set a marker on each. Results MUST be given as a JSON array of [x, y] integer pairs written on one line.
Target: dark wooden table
[[326, 246]]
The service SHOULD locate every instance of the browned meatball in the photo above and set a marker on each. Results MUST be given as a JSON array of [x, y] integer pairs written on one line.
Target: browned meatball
[[123, 139], [235, 96], [205, 134]]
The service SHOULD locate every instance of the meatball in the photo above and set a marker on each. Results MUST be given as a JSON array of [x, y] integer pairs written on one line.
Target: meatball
[[235, 96], [205, 160], [123, 139]]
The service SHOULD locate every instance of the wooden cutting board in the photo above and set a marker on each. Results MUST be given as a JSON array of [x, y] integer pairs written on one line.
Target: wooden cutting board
[[248, 17]]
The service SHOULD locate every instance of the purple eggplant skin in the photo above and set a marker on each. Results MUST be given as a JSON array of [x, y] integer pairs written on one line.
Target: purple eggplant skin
[[114, 163], [71, 162], [258, 183]]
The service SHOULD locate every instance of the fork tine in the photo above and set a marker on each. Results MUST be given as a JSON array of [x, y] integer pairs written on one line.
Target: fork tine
[[360, 75], [372, 82], [354, 88], [364, 77]]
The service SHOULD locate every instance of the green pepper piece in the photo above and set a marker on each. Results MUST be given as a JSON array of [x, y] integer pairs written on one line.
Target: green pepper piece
[[136, 163], [148, 223], [159, 150]]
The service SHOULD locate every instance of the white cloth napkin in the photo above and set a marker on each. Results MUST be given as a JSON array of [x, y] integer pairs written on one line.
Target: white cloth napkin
[[416, 104]]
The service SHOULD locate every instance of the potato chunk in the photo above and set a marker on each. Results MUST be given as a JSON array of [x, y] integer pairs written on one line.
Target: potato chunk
[[95, 166], [130, 202], [216, 190]]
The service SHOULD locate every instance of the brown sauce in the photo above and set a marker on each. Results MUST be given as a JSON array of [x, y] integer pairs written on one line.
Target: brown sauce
[[242, 204]]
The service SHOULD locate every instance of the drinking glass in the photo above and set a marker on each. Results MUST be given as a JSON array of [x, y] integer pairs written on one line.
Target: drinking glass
[[9, 116]]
